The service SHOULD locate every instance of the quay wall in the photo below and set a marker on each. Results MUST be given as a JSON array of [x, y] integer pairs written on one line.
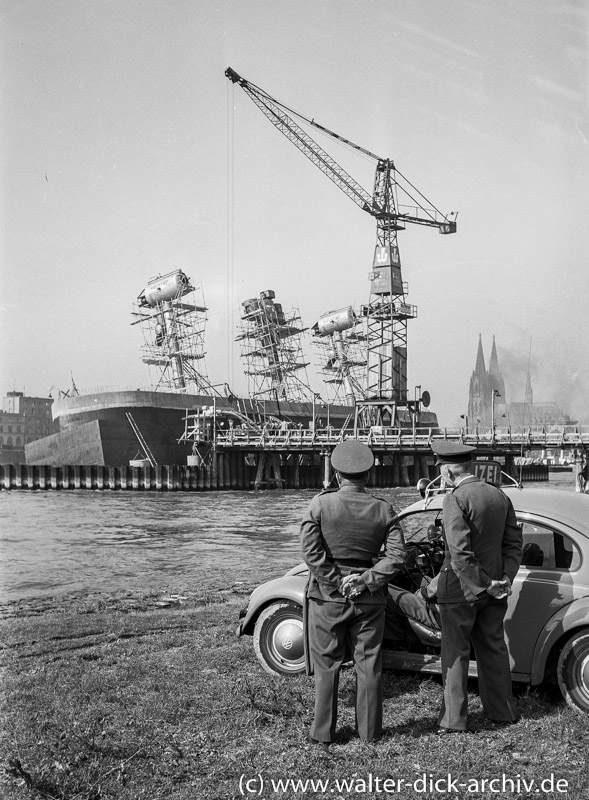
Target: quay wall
[[226, 471]]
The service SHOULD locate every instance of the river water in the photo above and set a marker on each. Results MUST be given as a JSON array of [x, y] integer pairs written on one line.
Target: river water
[[54, 544]]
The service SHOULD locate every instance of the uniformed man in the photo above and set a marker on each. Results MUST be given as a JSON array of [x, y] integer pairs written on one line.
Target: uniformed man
[[342, 535], [483, 554]]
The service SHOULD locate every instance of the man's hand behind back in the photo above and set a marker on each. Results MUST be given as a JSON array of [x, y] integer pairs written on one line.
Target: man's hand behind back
[[352, 586], [499, 589]]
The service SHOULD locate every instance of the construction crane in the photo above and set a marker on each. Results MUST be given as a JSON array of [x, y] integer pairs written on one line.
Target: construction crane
[[387, 311]]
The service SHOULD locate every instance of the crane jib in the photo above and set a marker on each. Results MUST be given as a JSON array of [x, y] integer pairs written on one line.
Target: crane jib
[[377, 204], [394, 202]]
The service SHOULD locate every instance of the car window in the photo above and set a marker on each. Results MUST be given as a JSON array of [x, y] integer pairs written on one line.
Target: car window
[[415, 526], [545, 548]]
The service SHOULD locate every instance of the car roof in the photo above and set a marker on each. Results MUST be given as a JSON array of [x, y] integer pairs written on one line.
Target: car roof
[[572, 508]]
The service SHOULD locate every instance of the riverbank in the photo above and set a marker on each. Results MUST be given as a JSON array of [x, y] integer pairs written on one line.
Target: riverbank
[[151, 696]]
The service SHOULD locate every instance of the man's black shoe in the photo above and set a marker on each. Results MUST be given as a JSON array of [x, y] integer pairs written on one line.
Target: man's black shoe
[[385, 733], [503, 723], [323, 745], [443, 731]]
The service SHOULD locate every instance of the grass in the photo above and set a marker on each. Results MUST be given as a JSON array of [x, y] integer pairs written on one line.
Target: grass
[[144, 697]]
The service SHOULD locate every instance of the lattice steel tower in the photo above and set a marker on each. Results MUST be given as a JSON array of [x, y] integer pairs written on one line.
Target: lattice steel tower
[[340, 342], [271, 346], [173, 325]]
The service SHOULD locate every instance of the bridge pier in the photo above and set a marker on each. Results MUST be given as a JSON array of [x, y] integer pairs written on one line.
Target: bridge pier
[[326, 469]]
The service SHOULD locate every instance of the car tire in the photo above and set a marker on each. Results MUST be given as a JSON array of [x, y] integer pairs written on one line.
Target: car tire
[[573, 671], [279, 639]]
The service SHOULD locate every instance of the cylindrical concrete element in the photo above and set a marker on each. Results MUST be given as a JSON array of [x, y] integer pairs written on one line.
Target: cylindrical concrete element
[[6, 476], [17, 479], [326, 470], [135, 478], [99, 478]]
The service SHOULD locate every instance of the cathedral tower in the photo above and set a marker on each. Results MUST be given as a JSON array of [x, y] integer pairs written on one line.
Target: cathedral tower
[[480, 393]]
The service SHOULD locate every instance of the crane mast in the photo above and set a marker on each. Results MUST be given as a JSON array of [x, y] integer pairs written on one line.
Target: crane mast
[[387, 311]]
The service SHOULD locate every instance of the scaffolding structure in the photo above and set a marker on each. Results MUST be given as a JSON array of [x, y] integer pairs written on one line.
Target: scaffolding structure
[[271, 347], [173, 324], [340, 341]]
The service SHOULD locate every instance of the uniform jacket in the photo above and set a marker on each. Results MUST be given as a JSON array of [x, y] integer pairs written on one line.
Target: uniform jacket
[[483, 541], [343, 532]]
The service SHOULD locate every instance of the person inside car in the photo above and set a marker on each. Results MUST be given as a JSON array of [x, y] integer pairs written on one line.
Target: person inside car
[[403, 605]]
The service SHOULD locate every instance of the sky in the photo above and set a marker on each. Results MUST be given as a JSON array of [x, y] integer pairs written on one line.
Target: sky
[[125, 153]]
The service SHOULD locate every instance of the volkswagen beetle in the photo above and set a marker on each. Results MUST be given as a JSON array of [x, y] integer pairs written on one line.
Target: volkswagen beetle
[[547, 620]]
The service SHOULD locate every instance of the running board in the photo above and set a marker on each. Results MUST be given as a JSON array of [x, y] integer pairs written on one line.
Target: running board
[[418, 662]]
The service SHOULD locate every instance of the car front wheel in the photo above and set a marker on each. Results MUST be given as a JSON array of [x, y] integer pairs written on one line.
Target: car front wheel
[[573, 671], [279, 640]]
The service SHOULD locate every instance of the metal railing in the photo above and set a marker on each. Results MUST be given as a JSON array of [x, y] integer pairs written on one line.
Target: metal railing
[[393, 438]]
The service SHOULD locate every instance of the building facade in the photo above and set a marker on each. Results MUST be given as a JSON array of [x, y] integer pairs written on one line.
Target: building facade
[[23, 419]]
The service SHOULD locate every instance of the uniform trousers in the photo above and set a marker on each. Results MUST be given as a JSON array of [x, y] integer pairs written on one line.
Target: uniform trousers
[[332, 626], [401, 605], [479, 623]]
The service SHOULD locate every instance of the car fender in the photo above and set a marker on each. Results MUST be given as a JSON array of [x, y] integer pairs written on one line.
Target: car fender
[[566, 619], [288, 587]]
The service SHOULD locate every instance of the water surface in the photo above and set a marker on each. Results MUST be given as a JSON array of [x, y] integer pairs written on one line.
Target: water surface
[[55, 543]]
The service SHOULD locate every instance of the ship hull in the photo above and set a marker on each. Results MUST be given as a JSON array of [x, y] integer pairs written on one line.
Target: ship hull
[[95, 429]]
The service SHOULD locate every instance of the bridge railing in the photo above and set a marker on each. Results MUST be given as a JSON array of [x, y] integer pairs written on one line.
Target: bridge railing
[[397, 438]]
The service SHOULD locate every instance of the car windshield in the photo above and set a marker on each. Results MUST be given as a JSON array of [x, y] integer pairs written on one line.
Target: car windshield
[[544, 546], [422, 525]]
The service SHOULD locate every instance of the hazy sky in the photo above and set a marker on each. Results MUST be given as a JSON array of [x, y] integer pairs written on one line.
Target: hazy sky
[[125, 152]]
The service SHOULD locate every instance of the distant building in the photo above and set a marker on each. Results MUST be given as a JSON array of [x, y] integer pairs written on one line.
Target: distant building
[[531, 414], [22, 420], [488, 403], [486, 393]]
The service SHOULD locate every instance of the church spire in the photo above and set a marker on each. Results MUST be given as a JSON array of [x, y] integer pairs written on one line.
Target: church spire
[[480, 365], [529, 395], [495, 375], [494, 362], [477, 391]]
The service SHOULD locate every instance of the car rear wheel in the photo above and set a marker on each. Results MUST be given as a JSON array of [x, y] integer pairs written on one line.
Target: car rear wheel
[[573, 671], [279, 640]]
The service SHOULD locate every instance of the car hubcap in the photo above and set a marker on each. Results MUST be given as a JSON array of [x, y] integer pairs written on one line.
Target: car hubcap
[[287, 640]]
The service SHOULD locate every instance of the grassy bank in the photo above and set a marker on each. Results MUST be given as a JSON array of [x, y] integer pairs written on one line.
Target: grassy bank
[[154, 697]]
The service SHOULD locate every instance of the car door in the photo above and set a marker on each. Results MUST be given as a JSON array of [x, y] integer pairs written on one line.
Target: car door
[[544, 583]]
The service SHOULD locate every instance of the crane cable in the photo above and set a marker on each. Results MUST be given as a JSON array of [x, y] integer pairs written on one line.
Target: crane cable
[[351, 144], [313, 123], [230, 227]]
